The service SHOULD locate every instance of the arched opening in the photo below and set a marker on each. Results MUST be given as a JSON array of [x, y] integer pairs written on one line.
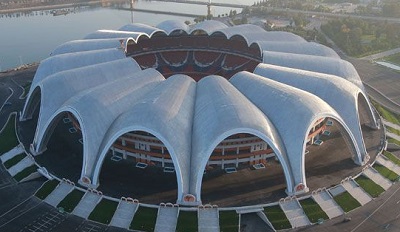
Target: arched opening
[[242, 170], [27, 127], [139, 165], [329, 154], [64, 154], [371, 136], [33, 103]]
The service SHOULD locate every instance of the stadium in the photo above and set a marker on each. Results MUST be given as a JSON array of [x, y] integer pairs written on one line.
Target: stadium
[[197, 114]]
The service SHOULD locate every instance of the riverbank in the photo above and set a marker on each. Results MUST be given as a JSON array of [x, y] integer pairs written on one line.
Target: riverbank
[[48, 7]]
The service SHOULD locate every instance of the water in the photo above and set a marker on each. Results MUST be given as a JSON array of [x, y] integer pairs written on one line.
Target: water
[[31, 37]]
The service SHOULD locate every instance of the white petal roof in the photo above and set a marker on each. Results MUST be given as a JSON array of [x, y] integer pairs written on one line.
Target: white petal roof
[[328, 65], [87, 45], [287, 104], [111, 34], [208, 26], [332, 89], [221, 111], [297, 47], [110, 95], [170, 26]]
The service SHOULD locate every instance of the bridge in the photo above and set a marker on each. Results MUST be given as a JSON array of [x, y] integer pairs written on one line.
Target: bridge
[[160, 12], [206, 3]]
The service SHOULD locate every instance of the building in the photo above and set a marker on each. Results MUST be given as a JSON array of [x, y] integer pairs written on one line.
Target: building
[[190, 99]]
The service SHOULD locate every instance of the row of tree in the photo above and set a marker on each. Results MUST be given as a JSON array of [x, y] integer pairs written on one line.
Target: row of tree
[[357, 37]]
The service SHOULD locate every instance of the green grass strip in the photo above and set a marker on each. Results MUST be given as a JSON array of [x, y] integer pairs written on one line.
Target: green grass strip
[[13, 161], [144, 219], [104, 211], [392, 130], [392, 157], [7, 136], [372, 188], [187, 221], [277, 217], [392, 140], [71, 200], [25, 173], [313, 210], [26, 87], [46, 189], [346, 201], [386, 114], [228, 221], [384, 171]]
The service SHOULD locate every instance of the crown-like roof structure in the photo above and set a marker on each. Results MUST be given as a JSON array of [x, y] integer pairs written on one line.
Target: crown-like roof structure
[[110, 94]]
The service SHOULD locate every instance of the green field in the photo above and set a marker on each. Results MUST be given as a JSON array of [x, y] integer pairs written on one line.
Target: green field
[[228, 221], [313, 210], [25, 173], [187, 221], [144, 219], [372, 188], [385, 172], [71, 200], [104, 211], [13, 161], [7, 137], [277, 217], [346, 201]]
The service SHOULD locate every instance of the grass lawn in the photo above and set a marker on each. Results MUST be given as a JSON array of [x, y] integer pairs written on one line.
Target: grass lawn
[[392, 176], [386, 114], [391, 140], [228, 221], [26, 87], [372, 188], [71, 200], [104, 211], [392, 130], [7, 137], [313, 210], [277, 217], [144, 219], [13, 161], [46, 189], [346, 201], [187, 221], [395, 59], [392, 157], [25, 173]]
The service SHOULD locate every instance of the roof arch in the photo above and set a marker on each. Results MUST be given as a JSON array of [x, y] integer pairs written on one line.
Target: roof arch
[[64, 62], [220, 111], [116, 97], [87, 45], [75, 81], [207, 26], [296, 47], [332, 89], [142, 28], [166, 112], [111, 34], [328, 65], [285, 104], [173, 26]]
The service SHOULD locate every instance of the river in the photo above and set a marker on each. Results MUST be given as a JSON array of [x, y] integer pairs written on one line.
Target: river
[[30, 37]]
